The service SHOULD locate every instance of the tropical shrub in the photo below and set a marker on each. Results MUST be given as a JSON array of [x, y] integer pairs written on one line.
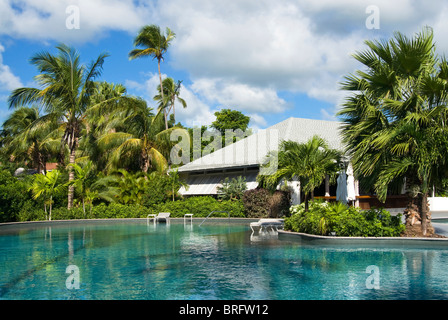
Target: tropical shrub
[[324, 218], [256, 203], [279, 203], [14, 196], [232, 188], [260, 203]]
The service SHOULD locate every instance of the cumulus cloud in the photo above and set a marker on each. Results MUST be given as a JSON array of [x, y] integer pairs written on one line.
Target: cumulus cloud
[[8, 80], [228, 93], [50, 19], [238, 53]]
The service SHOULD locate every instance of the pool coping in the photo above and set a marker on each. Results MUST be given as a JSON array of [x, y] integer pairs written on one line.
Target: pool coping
[[118, 220], [335, 240]]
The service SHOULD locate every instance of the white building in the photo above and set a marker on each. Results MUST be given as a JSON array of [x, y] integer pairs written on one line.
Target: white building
[[243, 158]]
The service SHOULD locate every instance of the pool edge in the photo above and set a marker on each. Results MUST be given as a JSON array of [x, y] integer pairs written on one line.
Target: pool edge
[[334, 240]]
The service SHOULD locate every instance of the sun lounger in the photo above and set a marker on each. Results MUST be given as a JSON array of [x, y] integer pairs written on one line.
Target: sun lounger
[[165, 216], [264, 224]]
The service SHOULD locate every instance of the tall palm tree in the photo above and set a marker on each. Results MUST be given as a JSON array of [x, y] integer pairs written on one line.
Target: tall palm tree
[[65, 89], [309, 162], [47, 185], [394, 116], [154, 44], [170, 95]]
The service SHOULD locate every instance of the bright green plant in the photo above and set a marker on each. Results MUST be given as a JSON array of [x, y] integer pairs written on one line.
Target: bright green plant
[[47, 186], [232, 189]]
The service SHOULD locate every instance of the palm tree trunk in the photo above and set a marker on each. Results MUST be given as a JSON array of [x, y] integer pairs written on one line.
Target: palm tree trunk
[[424, 212], [73, 144], [161, 92], [174, 111], [51, 200], [71, 177], [425, 215], [306, 201]]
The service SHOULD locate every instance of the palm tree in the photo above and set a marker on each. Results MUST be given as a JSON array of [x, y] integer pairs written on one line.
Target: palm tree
[[176, 182], [66, 88], [47, 186], [395, 116], [169, 97], [84, 178], [123, 187], [107, 101], [28, 137], [143, 140], [155, 44], [309, 162]]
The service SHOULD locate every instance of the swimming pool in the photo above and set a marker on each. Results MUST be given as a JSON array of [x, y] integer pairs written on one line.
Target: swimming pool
[[133, 260]]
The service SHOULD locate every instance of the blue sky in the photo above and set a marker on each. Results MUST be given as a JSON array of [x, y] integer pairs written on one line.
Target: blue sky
[[269, 59]]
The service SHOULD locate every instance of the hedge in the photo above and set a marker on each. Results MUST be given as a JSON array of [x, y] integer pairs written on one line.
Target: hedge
[[199, 206]]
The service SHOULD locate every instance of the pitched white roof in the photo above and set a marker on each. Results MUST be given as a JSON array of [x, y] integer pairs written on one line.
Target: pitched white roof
[[253, 149]]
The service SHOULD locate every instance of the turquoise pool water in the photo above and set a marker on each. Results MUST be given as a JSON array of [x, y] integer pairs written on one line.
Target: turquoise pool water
[[133, 260]]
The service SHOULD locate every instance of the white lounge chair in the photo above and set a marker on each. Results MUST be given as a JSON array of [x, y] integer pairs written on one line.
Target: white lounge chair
[[161, 216], [264, 224]]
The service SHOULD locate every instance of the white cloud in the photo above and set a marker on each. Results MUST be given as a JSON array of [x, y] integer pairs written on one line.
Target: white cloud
[[240, 96], [46, 19], [238, 53], [8, 81]]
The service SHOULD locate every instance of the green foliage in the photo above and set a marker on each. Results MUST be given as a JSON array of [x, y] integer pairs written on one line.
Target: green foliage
[[256, 203], [323, 218], [309, 162], [394, 120], [228, 119], [14, 196], [158, 189], [101, 211], [200, 207]]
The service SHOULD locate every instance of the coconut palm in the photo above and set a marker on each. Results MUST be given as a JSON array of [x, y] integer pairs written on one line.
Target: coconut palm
[[309, 162], [47, 185], [170, 95], [107, 101], [30, 137], [154, 44], [65, 90], [395, 115], [142, 140]]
